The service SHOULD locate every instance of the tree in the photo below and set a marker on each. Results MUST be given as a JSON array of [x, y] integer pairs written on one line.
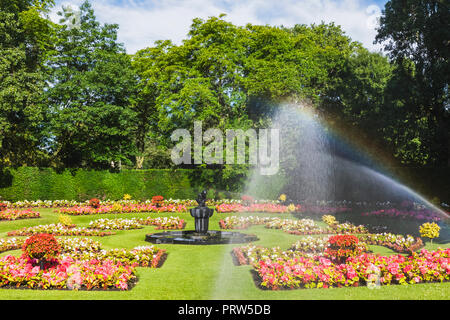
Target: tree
[[25, 42], [92, 87], [419, 31]]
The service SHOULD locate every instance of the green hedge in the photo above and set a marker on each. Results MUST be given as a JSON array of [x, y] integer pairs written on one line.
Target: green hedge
[[46, 184], [43, 183]]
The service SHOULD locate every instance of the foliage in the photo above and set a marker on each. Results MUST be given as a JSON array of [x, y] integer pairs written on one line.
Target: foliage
[[329, 219], [319, 272], [58, 230], [41, 247], [341, 247], [11, 214], [429, 230], [416, 33], [395, 242], [127, 196], [115, 224], [91, 87], [25, 40], [68, 274], [94, 203], [118, 208], [157, 200], [65, 220], [80, 185]]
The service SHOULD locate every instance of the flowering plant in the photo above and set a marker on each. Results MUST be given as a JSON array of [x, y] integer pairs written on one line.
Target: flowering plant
[[94, 203], [329, 220], [42, 247], [65, 220], [122, 208], [143, 256], [419, 214], [11, 244], [234, 222], [3, 206], [429, 230], [115, 224], [319, 272], [291, 208], [398, 243], [58, 230], [68, 274], [12, 214], [164, 222], [157, 200], [340, 247], [126, 196]]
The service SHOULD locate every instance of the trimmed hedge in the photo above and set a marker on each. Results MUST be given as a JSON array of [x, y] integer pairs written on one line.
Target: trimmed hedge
[[44, 183], [29, 183]]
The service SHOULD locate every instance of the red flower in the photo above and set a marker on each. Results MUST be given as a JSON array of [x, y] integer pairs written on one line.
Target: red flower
[[94, 203], [42, 247]]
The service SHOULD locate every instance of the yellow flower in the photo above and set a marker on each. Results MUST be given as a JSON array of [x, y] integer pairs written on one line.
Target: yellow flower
[[329, 219], [65, 220], [291, 208], [282, 197], [126, 196], [429, 230]]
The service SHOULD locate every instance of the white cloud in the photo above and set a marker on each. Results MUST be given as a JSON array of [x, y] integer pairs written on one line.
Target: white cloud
[[141, 22]]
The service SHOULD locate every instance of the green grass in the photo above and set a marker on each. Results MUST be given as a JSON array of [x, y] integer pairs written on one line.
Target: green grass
[[207, 272]]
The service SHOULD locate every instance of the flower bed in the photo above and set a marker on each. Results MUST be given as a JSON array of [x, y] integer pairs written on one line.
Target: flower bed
[[12, 214], [300, 227], [74, 245], [129, 208], [319, 211], [255, 207], [11, 244], [395, 242], [319, 272], [251, 253], [115, 224], [305, 247], [234, 222], [316, 245], [166, 223], [68, 274], [59, 230], [419, 214], [142, 256]]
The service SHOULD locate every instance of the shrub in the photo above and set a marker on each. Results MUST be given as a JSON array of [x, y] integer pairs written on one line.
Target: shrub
[[94, 203], [116, 207], [341, 247], [126, 196], [65, 220], [291, 208], [43, 247], [329, 220], [429, 230], [157, 200]]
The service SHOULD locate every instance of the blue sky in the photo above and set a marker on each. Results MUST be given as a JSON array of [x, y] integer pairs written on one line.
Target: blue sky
[[141, 22]]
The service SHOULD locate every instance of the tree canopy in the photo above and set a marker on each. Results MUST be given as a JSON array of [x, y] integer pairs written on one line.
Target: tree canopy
[[70, 96]]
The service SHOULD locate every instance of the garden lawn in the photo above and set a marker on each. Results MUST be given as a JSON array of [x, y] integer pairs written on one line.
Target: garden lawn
[[206, 272]]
